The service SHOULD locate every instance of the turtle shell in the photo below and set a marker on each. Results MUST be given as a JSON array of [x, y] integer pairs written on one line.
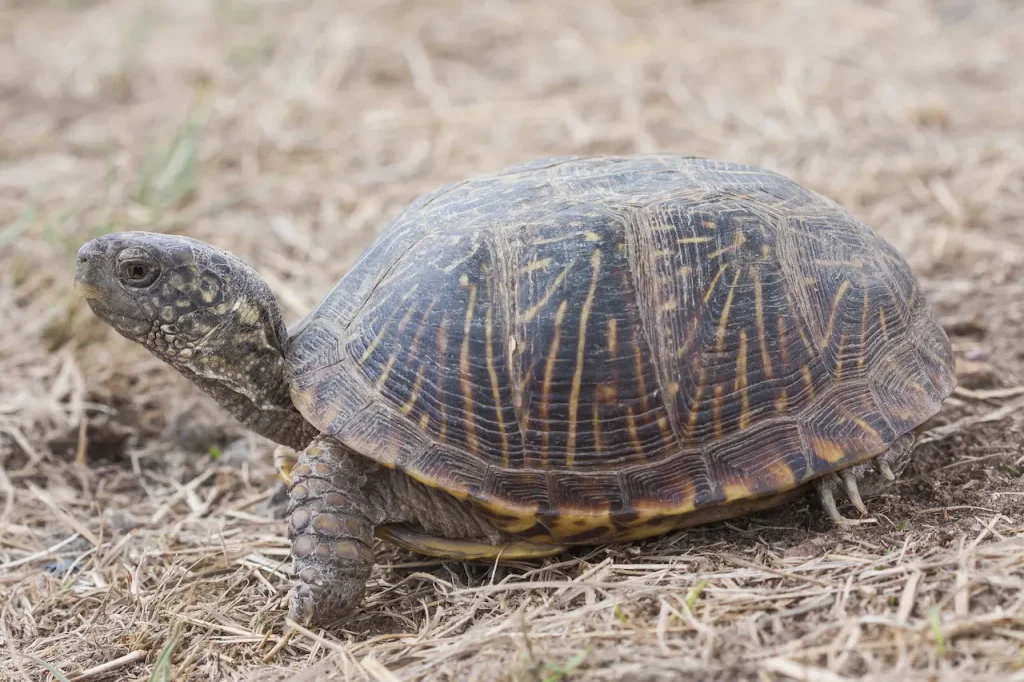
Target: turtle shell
[[598, 348]]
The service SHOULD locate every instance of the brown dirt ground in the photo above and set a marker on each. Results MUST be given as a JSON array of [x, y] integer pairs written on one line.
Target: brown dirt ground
[[289, 132]]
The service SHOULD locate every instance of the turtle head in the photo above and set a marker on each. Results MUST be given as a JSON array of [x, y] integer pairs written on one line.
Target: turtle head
[[172, 294], [204, 312]]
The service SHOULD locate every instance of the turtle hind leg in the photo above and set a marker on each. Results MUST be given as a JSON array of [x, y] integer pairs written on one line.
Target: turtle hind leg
[[893, 462], [867, 478]]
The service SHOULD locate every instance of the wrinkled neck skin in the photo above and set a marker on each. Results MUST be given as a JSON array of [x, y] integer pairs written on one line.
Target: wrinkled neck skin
[[232, 348], [241, 366]]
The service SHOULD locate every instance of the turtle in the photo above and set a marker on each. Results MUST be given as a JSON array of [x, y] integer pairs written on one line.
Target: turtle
[[577, 350]]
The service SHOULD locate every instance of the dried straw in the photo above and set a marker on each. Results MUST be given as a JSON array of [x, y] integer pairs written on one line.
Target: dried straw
[[290, 132]]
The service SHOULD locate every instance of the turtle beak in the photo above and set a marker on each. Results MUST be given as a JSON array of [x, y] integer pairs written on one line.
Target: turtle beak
[[86, 291], [90, 262], [95, 282]]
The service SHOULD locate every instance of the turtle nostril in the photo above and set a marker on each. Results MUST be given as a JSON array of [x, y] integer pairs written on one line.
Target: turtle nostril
[[86, 253]]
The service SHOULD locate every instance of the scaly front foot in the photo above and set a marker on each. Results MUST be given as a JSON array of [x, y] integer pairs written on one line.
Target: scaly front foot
[[330, 533]]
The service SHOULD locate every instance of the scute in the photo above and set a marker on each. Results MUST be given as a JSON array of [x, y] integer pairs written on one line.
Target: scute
[[607, 347], [771, 458]]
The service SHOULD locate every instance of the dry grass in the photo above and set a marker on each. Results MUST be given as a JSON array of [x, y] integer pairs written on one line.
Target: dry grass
[[289, 132]]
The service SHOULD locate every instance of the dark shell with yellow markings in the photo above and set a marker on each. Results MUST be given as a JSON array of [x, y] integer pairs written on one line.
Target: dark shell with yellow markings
[[603, 348]]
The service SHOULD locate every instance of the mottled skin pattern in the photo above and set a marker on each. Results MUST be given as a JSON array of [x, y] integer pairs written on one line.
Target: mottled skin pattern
[[577, 350], [205, 313]]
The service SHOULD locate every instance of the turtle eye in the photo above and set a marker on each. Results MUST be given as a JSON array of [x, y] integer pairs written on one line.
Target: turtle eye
[[137, 269]]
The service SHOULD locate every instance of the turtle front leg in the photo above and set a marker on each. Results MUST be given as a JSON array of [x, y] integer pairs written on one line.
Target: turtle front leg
[[864, 480], [331, 522], [339, 499]]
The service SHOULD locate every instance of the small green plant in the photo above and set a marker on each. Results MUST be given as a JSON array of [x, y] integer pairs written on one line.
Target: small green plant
[[162, 667], [902, 526], [558, 673], [10, 234], [694, 593], [215, 453], [169, 176], [54, 670], [935, 622], [619, 614]]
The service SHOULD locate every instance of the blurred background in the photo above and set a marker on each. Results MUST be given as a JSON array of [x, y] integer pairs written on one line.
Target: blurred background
[[290, 131]]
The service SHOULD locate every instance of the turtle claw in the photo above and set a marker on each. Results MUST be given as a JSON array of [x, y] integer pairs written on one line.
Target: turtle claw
[[827, 486], [850, 482], [885, 470], [828, 501], [284, 461], [300, 604]]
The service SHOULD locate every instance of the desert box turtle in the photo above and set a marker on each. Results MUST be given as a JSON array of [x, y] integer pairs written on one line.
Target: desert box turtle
[[573, 351]]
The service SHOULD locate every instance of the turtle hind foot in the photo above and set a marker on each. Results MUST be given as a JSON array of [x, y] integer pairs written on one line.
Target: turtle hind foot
[[869, 477], [844, 482]]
